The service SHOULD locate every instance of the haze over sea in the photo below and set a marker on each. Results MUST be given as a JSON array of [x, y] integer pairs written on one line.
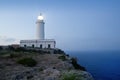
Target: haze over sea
[[103, 65]]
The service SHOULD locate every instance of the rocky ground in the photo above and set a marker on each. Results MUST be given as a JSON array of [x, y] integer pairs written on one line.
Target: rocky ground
[[49, 66]]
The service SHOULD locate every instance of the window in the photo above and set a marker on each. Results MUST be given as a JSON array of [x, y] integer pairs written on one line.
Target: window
[[49, 46], [41, 46], [24, 45], [33, 46]]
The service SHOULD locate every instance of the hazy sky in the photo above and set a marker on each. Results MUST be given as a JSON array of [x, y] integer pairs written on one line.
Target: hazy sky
[[74, 24]]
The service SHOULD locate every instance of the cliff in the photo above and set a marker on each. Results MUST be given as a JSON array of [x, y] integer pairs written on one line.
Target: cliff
[[47, 64]]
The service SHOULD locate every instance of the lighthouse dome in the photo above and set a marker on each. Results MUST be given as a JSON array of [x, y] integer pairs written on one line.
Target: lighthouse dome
[[40, 17]]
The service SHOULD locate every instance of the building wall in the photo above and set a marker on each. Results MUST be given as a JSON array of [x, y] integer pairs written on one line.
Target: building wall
[[37, 43]]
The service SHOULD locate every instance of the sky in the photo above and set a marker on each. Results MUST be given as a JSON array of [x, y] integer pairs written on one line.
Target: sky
[[76, 25]]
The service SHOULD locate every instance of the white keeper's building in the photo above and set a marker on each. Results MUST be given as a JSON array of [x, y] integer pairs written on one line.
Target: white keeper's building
[[40, 42]]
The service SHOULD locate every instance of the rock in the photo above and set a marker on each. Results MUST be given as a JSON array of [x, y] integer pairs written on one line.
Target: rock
[[49, 67], [51, 72], [64, 65], [50, 78]]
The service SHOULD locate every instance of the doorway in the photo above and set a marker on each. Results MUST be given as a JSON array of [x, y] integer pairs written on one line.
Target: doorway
[[33, 46], [49, 46], [41, 46]]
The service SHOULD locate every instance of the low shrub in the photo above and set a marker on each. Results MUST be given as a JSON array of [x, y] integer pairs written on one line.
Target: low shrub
[[76, 65], [59, 51], [1, 48], [30, 77], [14, 55], [27, 62], [63, 57], [68, 76], [11, 48], [67, 55], [20, 49]]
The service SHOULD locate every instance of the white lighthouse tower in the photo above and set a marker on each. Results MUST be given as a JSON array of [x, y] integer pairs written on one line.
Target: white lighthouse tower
[[40, 27], [40, 41]]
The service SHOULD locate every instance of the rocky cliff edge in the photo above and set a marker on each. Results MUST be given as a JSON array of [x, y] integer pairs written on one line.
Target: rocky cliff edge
[[46, 64]]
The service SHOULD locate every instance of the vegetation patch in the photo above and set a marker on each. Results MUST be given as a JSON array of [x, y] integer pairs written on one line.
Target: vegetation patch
[[27, 62], [59, 51], [63, 57], [30, 77], [76, 65], [14, 55], [69, 76]]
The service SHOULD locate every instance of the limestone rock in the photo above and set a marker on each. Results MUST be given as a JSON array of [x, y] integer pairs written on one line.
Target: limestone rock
[[51, 73], [49, 67]]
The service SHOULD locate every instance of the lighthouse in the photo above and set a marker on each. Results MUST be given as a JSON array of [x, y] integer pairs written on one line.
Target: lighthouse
[[40, 41], [40, 34]]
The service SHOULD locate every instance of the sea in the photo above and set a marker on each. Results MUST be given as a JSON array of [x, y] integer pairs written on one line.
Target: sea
[[103, 65]]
